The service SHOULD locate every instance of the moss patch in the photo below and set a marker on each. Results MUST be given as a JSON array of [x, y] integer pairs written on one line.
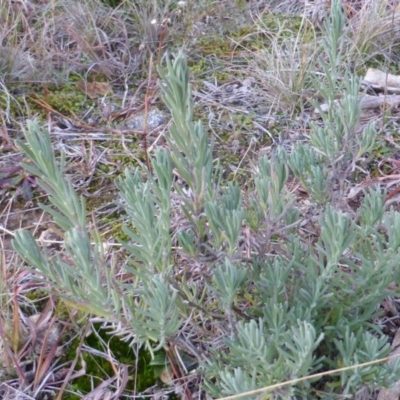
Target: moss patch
[[99, 369]]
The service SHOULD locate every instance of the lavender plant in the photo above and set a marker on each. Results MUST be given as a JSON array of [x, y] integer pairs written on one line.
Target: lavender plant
[[267, 306], [338, 143]]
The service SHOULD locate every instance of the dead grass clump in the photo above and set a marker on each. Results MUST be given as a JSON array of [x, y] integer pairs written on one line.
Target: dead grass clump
[[285, 61], [372, 32], [49, 41]]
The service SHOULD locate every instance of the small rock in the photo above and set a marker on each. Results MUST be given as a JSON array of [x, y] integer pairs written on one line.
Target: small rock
[[155, 118]]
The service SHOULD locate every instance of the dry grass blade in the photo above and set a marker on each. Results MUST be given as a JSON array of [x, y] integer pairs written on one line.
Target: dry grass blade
[[285, 65], [72, 374], [373, 30], [9, 356], [50, 341]]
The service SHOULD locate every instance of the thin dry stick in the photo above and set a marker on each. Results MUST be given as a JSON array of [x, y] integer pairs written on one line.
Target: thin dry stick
[[146, 112], [72, 368], [305, 378], [387, 69], [148, 96]]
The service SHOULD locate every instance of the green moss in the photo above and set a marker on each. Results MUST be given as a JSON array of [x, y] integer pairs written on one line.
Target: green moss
[[275, 22], [199, 67], [99, 369], [381, 63], [112, 3], [68, 100], [243, 121], [214, 45], [222, 76], [15, 105], [39, 298]]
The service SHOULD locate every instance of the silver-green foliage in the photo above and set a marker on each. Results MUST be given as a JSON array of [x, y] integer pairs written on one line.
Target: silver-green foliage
[[279, 307], [81, 276], [337, 145], [316, 306]]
